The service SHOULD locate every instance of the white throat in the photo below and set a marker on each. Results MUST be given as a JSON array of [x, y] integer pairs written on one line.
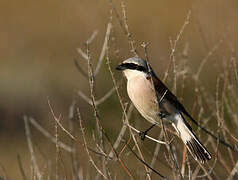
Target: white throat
[[132, 73]]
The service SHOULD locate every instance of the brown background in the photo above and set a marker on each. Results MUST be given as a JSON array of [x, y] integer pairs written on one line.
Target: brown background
[[38, 41]]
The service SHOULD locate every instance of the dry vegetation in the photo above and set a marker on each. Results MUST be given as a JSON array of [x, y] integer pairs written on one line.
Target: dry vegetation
[[126, 157]]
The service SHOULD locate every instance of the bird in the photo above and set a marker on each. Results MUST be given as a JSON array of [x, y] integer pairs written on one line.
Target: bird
[[155, 101]]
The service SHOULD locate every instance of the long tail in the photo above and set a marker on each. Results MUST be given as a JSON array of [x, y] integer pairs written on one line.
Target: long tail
[[195, 147]]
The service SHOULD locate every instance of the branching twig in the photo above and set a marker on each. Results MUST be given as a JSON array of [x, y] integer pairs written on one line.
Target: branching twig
[[60, 125], [124, 25], [85, 145], [99, 101], [174, 46]]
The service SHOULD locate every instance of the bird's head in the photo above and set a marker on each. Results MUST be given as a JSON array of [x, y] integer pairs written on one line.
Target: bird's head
[[133, 67]]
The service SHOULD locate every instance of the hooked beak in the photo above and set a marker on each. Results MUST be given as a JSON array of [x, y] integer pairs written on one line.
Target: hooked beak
[[120, 67]]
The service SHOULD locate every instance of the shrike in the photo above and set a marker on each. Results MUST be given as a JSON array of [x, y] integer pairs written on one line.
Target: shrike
[[153, 100]]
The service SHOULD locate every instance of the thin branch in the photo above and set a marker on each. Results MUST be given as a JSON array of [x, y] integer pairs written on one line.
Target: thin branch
[[60, 125], [156, 151], [104, 47], [233, 172], [147, 165], [57, 142], [83, 54], [105, 97], [85, 145], [84, 97], [174, 45], [91, 81], [99, 101], [92, 37], [153, 139], [30, 146], [100, 129], [129, 35], [89, 41], [5, 173], [122, 131], [124, 25], [21, 167], [235, 68]]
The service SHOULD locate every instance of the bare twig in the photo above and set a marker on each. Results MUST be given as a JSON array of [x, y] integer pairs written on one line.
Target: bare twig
[[92, 37], [60, 125], [234, 170], [153, 139], [6, 177], [21, 167], [76, 170], [99, 101], [129, 35], [122, 132], [83, 54], [85, 145], [156, 151], [30, 146], [235, 68], [104, 47], [56, 144], [173, 48], [124, 25]]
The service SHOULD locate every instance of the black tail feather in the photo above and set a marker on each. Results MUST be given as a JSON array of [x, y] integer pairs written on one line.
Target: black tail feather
[[198, 151]]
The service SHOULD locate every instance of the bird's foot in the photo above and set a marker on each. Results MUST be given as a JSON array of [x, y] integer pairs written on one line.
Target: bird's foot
[[162, 115], [142, 134]]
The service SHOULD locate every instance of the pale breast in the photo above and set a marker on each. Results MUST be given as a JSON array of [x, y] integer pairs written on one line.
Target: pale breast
[[141, 93]]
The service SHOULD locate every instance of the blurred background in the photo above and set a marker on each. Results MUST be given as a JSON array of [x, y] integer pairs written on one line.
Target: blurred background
[[38, 42]]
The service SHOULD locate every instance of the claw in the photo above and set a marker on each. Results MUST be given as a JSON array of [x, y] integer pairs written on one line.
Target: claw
[[142, 135]]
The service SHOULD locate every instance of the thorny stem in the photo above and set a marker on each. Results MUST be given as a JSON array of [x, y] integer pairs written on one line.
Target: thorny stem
[[92, 94]]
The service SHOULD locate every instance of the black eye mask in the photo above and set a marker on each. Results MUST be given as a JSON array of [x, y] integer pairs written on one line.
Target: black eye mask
[[131, 66]]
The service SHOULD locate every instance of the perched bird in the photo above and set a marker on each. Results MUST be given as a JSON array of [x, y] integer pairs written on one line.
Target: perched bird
[[154, 100]]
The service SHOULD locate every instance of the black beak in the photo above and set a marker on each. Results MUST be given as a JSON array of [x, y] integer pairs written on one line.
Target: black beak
[[120, 67]]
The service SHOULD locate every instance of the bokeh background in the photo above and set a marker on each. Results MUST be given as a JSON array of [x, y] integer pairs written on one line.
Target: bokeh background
[[38, 42]]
